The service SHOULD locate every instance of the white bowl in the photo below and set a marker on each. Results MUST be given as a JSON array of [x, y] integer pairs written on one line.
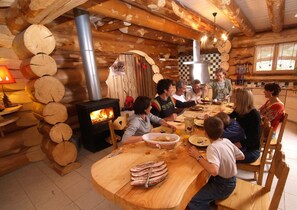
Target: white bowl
[[149, 139]]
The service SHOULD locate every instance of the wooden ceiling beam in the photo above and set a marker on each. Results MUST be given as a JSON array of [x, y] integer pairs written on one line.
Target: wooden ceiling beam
[[23, 13], [111, 26], [235, 15], [173, 10], [147, 33], [122, 11], [276, 10]]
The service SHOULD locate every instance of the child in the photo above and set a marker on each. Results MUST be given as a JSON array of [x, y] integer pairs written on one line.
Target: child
[[220, 162], [232, 130]]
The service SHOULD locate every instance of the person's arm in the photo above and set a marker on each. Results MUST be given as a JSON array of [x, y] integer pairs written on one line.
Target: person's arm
[[209, 167], [187, 104], [129, 133], [132, 139], [238, 154], [164, 123]]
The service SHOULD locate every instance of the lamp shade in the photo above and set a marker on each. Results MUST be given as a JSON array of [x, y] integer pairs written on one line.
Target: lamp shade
[[5, 76]]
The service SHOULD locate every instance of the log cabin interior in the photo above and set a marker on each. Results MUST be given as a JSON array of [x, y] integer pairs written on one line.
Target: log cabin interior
[[56, 64]]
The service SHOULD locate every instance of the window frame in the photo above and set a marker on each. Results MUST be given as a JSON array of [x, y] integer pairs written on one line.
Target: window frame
[[274, 61]]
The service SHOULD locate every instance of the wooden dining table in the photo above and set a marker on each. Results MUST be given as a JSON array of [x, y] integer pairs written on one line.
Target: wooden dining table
[[111, 175]]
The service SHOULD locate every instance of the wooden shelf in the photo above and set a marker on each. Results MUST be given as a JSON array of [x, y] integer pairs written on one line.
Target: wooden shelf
[[267, 77]]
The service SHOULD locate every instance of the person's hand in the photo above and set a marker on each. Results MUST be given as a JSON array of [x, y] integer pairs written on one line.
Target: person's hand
[[173, 128], [193, 152]]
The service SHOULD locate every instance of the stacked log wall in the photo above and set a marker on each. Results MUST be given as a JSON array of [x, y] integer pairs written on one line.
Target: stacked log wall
[[71, 74], [243, 52]]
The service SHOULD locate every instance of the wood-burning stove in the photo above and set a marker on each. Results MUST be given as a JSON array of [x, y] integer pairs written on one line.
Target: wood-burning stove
[[93, 118]]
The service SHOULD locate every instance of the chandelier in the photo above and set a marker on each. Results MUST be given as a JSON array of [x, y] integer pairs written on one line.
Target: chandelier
[[213, 38]]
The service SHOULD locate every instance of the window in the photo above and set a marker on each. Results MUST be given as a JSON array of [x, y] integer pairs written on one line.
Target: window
[[264, 57], [286, 56], [278, 58]]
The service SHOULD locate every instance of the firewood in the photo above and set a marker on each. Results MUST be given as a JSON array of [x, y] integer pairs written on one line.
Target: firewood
[[38, 66], [51, 113], [45, 89]]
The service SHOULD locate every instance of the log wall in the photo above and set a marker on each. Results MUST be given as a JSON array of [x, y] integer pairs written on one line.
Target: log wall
[[243, 50], [70, 73]]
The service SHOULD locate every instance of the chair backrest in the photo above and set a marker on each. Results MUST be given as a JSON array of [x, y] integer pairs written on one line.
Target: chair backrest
[[119, 123], [279, 170], [282, 128], [266, 136]]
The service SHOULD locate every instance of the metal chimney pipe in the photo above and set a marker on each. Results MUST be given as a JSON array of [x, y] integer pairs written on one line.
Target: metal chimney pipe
[[196, 51], [82, 21], [198, 69]]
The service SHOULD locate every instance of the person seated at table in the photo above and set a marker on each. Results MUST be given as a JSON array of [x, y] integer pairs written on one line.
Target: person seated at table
[[197, 92], [140, 122], [164, 104], [181, 87], [249, 119], [232, 130], [273, 109], [221, 86], [220, 162]]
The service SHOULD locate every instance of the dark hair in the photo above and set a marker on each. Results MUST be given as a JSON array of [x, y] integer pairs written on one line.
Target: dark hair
[[141, 104], [224, 117], [163, 84], [180, 84], [273, 87], [196, 81], [214, 127]]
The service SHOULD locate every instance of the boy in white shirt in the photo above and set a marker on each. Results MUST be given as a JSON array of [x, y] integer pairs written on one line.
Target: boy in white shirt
[[220, 162]]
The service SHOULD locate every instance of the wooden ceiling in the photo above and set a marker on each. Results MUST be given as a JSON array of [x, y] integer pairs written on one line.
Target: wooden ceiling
[[174, 21]]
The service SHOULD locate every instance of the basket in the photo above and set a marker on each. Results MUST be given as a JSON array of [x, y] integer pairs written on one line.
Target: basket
[[149, 140]]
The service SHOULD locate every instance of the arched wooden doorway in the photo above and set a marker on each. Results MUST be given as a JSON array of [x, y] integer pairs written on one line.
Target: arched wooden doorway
[[133, 74]]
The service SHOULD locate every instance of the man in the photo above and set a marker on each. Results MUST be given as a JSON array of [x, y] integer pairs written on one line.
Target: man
[[197, 92], [181, 88], [164, 104], [221, 86]]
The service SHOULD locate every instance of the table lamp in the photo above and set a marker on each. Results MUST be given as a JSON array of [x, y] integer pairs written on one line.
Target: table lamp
[[6, 78]]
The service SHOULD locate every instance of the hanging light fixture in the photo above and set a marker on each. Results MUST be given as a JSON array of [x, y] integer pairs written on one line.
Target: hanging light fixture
[[213, 37]]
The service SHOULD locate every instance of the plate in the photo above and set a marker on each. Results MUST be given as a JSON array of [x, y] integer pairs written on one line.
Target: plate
[[197, 108], [199, 141], [199, 122]]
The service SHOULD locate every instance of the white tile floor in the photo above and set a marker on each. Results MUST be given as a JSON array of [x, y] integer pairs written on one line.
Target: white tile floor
[[36, 186]]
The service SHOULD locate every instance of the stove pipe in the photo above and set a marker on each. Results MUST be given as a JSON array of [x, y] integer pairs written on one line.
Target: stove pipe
[[82, 21], [198, 69]]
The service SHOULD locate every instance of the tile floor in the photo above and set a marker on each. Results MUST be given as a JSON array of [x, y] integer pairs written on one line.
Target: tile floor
[[36, 186]]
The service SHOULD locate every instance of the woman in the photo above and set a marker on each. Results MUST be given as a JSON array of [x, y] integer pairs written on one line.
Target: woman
[[140, 122], [249, 119], [273, 109], [221, 86]]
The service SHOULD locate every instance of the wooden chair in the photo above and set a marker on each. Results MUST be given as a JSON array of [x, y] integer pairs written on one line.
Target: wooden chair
[[275, 141], [118, 124], [249, 196], [258, 166]]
